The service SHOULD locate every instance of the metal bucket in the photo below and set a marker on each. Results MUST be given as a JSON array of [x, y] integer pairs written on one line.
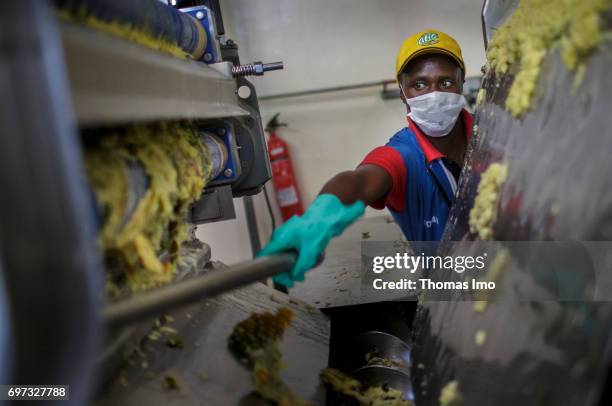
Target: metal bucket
[[378, 348], [385, 377]]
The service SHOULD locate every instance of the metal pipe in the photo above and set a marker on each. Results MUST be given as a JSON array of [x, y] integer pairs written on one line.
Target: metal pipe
[[273, 66], [327, 90], [153, 303], [251, 218]]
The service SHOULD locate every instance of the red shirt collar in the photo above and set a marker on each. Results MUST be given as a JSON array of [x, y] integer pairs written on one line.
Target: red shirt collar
[[429, 150]]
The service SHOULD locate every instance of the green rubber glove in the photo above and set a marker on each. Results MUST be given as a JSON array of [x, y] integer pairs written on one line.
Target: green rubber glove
[[309, 234]]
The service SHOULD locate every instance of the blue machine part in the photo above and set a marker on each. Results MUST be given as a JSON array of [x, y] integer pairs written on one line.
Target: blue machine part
[[232, 169], [217, 151], [204, 16]]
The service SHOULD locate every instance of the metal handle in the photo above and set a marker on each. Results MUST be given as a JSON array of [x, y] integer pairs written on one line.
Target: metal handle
[[153, 303]]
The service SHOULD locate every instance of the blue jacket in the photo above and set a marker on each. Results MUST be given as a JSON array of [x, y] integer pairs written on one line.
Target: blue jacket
[[429, 193], [424, 188]]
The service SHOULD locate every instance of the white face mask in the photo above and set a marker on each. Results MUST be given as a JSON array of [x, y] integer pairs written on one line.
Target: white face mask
[[436, 112]]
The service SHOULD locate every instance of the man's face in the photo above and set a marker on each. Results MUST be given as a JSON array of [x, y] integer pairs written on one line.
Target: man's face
[[430, 73]]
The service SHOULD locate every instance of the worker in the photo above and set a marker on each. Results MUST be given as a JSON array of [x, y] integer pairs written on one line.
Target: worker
[[414, 175]]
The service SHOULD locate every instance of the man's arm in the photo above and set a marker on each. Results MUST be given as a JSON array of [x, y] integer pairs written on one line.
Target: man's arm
[[366, 183], [341, 201]]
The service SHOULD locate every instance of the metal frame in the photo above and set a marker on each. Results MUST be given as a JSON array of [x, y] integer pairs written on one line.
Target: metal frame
[[49, 260], [6, 344], [114, 81], [215, 204], [494, 14]]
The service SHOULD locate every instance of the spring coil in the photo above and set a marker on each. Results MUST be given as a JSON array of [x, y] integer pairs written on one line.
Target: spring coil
[[244, 70]]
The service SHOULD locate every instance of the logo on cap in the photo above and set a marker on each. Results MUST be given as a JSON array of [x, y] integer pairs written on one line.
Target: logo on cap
[[429, 38]]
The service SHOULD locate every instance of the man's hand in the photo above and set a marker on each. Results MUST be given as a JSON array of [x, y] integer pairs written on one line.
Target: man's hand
[[309, 234]]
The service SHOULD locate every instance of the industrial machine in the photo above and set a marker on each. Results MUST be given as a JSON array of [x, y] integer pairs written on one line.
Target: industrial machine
[[81, 68], [69, 76]]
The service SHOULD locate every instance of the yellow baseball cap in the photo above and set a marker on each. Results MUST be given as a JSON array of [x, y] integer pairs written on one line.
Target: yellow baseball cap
[[427, 42]]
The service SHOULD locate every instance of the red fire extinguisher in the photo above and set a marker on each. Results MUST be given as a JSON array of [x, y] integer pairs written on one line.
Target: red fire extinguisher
[[283, 178]]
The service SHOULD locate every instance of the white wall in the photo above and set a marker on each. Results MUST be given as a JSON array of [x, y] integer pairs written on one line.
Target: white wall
[[326, 43]]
